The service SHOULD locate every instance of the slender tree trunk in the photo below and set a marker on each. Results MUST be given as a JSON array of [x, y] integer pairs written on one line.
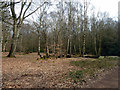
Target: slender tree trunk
[[47, 51], [75, 49], [2, 43], [85, 25], [84, 36], [54, 47], [68, 47], [1, 36], [99, 50], [39, 44], [80, 44], [39, 35], [47, 48], [14, 40], [100, 34], [80, 51], [60, 49], [21, 44], [84, 43], [60, 44], [1, 31], [95, 45]]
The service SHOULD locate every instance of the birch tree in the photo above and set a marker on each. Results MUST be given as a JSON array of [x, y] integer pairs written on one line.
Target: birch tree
[[86, 4]]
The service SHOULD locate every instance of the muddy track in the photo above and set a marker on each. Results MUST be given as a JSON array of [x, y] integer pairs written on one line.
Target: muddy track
[[108, 79]]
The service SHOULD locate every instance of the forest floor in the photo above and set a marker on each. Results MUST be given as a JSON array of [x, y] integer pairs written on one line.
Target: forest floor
[[25, 71]]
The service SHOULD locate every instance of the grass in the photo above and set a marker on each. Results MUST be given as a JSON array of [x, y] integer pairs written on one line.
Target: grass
[[77, 76], [90, 67]]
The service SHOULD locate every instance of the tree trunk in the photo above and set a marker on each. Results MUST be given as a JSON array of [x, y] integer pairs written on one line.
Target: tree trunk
[[2, 44], [75, 49], [68, 47], [39, 44], [60, 44], [80, 44], [47, 51], [85, 26], [84, 44], [14, 40], [54, 48], [80, 50], [21, 48], [1, 37], [99, 50], [95, 46]]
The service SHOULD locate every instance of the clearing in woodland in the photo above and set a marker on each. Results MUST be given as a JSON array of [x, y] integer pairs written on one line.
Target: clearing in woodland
[[25, 71]]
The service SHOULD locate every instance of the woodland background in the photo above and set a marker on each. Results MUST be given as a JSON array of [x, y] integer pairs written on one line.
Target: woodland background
[[67, 30]]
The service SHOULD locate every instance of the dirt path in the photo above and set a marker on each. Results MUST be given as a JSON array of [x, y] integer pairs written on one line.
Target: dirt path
[[26, 71], [107, 80]]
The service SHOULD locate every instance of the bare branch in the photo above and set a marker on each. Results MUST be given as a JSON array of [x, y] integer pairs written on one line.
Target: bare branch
[[7, 22], [34, 10], [26, 11], [7, 4], [12, 8], [22, 6]]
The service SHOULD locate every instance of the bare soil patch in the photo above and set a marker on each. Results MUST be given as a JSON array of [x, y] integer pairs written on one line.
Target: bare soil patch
[[26, 71]]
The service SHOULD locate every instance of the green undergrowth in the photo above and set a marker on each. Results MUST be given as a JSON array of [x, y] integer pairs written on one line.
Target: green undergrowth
[[91, 67], [77, 75]]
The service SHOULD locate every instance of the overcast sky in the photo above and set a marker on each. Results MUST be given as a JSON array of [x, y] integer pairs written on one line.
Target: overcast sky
[[110, 6]]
